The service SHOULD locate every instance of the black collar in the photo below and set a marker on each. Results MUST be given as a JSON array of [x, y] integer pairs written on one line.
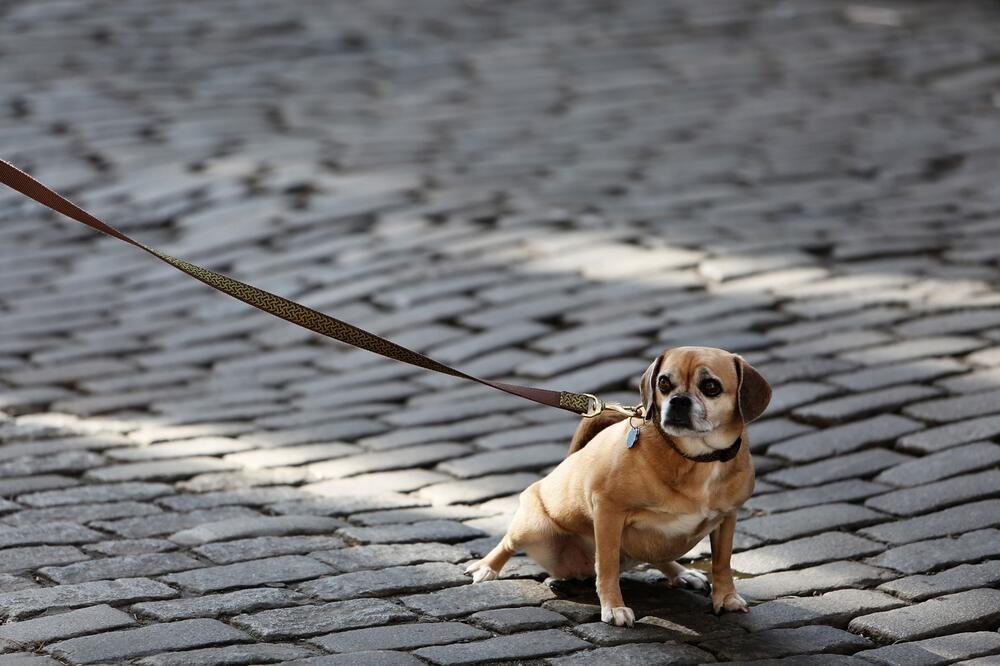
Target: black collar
[[718, 455]]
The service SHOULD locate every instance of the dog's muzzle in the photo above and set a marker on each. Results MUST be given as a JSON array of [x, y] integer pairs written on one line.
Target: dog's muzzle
[[678, 412]]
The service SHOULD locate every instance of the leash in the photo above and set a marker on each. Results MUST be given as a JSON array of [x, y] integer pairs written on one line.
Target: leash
[[585, 404]]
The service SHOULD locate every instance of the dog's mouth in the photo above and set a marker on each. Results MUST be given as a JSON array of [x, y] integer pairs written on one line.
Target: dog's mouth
[[682, 427]]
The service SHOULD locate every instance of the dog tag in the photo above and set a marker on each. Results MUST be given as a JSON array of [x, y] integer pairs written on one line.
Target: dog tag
[[633, 434]]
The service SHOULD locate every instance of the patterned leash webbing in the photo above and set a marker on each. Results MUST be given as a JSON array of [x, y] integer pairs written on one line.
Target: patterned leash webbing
[[282, 307]]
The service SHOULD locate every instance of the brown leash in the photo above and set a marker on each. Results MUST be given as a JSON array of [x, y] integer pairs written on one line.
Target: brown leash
[[585, 404]]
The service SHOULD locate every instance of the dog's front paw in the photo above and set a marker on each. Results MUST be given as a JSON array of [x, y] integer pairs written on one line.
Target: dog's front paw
[[481, 572], [690, 578], [730, 602], [620, 616]]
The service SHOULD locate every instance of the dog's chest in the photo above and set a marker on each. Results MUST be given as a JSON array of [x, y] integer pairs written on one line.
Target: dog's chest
[[676, 525]]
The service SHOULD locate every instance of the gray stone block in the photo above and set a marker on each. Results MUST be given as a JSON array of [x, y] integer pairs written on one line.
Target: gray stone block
[[943, 437], [66, 625], [936, 553], [511, 620], [16, 560], [937, 466], [230, 655], [399, 637], [804, 552], [844, 438], [932, 651], [132, 566], [48, 534], [360, 558], [956, 579], [835, 608], [636, 654], [240, 528], [528, 645], [391, 580], [830, 576], [860, 464], [921, 499], [964, 611], [445, 531], [241, 550], [313, 620], [282, 569], [216, 605], [372, 658], [114, 492], [801, 522], [167, 523], [23, 604], [955, 520], [838, 491], [131, 643], [467, 599], [773, 643]]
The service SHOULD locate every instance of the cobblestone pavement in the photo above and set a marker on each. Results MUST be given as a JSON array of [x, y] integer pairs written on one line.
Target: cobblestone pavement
[[551, 192]]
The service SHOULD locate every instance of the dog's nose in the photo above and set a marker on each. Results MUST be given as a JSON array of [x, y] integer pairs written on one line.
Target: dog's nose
[[681, 402]]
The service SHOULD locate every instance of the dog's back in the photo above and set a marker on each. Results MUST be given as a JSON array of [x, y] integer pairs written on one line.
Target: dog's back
[[590, 426]]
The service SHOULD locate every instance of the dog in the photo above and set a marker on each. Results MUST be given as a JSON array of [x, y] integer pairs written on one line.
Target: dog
[[621, 498]]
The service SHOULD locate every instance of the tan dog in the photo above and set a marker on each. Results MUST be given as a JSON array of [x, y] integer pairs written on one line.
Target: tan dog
[[686, 474]]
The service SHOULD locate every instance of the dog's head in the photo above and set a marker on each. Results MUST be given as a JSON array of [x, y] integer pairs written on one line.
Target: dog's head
[[691, 392]]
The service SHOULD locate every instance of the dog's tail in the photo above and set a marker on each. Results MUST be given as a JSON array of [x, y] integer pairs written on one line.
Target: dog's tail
[[590, 426]]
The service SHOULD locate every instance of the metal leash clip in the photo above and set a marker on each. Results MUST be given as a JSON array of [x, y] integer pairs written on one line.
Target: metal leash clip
[[597, 405]]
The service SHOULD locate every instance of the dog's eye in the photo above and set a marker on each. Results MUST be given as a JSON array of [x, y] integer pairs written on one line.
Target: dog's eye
[[711, 387], [663, 383]]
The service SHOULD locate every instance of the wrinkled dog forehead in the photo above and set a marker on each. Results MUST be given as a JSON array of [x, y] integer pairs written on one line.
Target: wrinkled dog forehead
[[689, 363]]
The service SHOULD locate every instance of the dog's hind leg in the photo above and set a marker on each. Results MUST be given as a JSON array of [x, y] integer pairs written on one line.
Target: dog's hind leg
[[490, 566], [530, 526], [679, 576]]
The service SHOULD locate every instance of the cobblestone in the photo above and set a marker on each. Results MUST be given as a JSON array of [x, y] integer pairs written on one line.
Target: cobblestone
[[966, 458], [214, 605], [130, 643], [26, 603], [927, 652], [458, 601], [829, 576], [510, 620], [964, 518], [377, 556], [956, 579], [391, 580], [66, 625], [286, 568], [135, 566], [241, 550], [935, 553], [499, 187], [919, 499], [257, 653], [528, 645], [399, 637], [804, 552], [16, 560], [974, 609], [664, 654], [835, 608], [802, 522], [313, 620], [772, 643]]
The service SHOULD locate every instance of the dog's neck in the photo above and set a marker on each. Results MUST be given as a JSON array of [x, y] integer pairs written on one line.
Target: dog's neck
[[716, 446], [714, 455]]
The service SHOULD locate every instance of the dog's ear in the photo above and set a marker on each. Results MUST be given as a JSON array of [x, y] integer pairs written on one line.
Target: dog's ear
[[754, 391], [647, 387]]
